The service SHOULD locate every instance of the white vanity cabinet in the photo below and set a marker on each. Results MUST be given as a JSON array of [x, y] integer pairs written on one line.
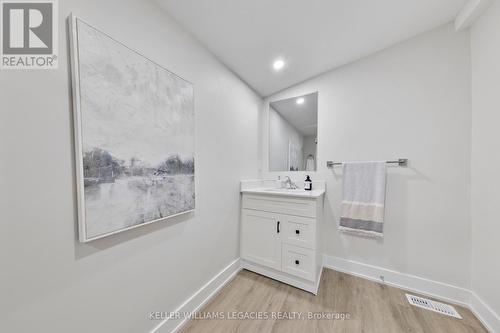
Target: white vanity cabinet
[[279, 236]]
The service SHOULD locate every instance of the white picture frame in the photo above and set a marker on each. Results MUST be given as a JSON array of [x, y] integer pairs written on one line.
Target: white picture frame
[[78, 109]]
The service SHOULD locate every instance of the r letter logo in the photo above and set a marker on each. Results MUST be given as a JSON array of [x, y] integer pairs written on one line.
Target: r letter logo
[[29, 34]]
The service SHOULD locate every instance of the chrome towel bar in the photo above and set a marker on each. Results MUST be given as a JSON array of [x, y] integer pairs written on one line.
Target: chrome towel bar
[[402, 162]]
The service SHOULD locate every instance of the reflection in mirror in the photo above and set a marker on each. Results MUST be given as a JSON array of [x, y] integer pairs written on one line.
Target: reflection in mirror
[[293, 127]]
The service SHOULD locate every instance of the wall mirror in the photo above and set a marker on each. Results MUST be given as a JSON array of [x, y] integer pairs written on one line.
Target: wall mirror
[[293, 128]]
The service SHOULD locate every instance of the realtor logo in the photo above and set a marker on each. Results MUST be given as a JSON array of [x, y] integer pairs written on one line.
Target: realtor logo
[[29, 34]]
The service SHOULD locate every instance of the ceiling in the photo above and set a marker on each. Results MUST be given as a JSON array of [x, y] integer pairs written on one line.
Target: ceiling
[[304, 117], [312, 36]]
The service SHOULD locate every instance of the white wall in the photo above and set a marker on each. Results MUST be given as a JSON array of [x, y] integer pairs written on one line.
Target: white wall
[[49, 281], [409, 101], [280, 135], [485, 38]]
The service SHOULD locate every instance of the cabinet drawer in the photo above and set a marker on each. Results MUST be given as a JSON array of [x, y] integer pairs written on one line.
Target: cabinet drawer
[[299, 231], [275, 204], [299, 262]]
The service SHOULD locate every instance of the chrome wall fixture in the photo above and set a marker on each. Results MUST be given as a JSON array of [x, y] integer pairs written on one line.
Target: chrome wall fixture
[[402, 162]]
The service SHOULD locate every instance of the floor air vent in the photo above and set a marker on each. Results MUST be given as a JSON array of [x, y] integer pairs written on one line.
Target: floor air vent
[[433, 306]]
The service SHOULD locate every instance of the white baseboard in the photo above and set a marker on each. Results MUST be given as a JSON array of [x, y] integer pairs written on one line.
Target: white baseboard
[[484, 313], [446, 292], [200, 298]]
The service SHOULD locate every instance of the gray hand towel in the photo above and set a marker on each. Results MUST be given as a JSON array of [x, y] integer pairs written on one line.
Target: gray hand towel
[[362, 209]]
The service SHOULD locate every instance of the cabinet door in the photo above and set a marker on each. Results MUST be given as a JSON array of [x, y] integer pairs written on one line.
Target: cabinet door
[[260, 238]]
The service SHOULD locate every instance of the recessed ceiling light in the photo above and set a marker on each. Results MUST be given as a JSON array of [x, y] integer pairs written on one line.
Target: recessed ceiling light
[[300, 100], [278, 64]]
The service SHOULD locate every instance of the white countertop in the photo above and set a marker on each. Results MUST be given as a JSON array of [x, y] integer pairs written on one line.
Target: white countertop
[[300, 193]]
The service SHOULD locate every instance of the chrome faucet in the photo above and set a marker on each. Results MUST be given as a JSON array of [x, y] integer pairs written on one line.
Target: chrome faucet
[[289, 184]]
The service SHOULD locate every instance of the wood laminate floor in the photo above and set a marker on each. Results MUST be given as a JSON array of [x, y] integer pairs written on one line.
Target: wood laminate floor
[[372, 307]]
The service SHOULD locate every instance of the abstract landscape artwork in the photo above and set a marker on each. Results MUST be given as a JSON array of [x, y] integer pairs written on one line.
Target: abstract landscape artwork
[[134, 136]]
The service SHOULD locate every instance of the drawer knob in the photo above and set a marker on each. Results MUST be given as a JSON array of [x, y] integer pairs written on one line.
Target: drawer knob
[[297, 262], [297, 231]]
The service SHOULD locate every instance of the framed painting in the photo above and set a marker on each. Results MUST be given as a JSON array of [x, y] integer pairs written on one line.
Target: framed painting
[[134, 136]]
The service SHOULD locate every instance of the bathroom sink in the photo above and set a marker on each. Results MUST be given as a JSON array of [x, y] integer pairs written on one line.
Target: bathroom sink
[[286, 190]]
